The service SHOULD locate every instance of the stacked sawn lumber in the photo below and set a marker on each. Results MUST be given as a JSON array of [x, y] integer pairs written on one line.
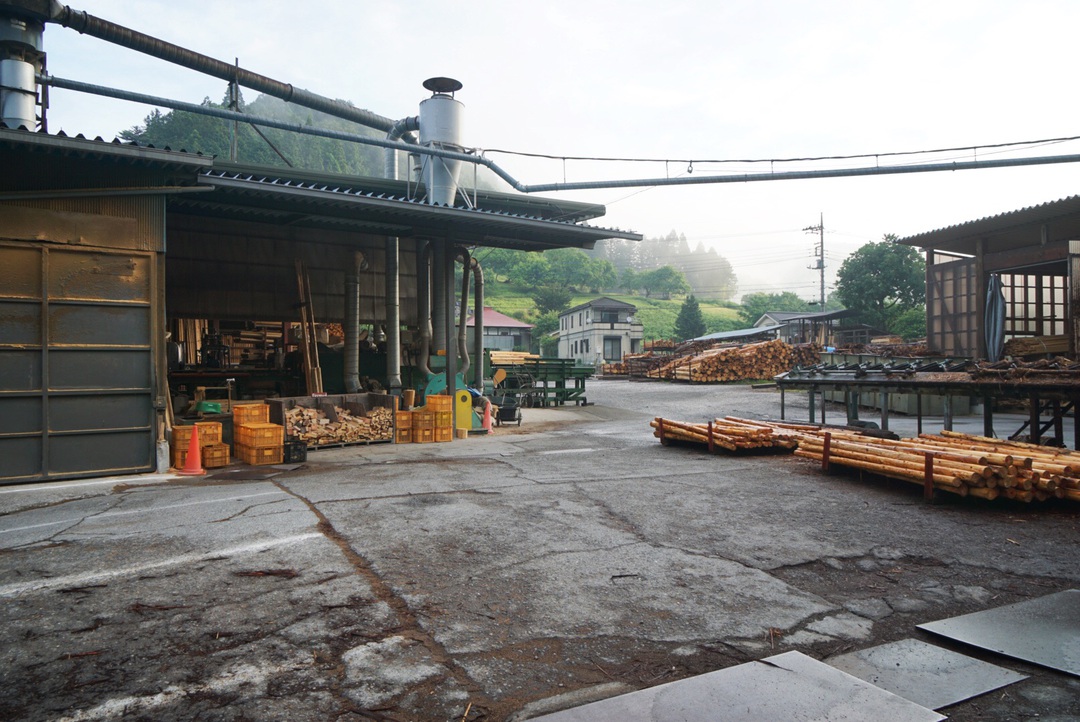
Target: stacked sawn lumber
[[730, 434], [511, 358], [1030, 345], [315, 428], [727, 362]]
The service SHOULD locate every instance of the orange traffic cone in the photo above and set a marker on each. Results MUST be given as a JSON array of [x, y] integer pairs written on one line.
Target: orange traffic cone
[[193, 463]]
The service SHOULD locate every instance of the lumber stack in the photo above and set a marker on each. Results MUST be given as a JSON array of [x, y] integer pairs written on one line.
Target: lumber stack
[[731, 362], [729, 434], [316, 427], [1031, 345], [512, 358]]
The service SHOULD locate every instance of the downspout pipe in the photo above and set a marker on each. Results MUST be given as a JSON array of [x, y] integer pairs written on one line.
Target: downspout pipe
[[423, 308], [352, 325], [463, 313], [403, 128], [87, 24], [478, 323]]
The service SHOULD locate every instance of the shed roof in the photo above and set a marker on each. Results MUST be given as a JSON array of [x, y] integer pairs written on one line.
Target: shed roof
[[322, 201], [493, 318], [1027, 227]]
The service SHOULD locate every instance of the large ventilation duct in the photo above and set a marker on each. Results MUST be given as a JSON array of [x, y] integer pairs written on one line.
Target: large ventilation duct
[[21, 58], [463, 313], [478, 323], [423, 307], [352, 324], [440, 127]]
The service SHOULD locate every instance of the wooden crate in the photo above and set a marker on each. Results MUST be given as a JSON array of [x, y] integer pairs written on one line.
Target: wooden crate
[[403, 419], [444, 433], [444, 418], [251, 414], [215, 456], [423, 436], [403, 436], [423, 419], [260, 455], [259, 435]]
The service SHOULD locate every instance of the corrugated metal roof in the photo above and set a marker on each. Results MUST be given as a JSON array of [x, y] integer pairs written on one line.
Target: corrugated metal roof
[[1013, 229], [493, 318], [741, 333]]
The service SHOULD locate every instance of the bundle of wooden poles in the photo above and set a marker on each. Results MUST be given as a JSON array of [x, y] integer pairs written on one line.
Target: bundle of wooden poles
[[730, 434], [952, 462]]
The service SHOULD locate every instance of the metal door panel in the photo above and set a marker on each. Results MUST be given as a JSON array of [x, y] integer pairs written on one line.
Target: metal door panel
[[20, 415], [20, 458], [20, 371], [98, 325], [74, 413], [20, 323], [71, 454], [99, 370]]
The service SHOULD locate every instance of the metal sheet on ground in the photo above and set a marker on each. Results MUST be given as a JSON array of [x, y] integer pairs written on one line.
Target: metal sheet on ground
[[785, 686], [1045, 631], [923, 673]]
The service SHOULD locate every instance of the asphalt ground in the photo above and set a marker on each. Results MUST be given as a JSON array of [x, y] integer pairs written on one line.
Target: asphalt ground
[[496, 578]]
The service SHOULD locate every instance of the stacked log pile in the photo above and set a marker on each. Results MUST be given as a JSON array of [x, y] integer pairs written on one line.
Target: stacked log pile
[[731, 362], [315, 428], [1054, 370], [729, 434]]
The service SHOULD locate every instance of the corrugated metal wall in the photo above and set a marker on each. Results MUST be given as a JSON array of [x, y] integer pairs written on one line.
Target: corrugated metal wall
[[77, 369], [81, 319]]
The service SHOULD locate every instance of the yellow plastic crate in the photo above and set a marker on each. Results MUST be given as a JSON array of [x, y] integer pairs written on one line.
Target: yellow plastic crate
[[209, 433], [259, 435], [444, 433], [439, 402], [444, 418], [423, 436], [403, 419], [403, 436], [215, 456], [423, 419], [251, 414], [260, 455]]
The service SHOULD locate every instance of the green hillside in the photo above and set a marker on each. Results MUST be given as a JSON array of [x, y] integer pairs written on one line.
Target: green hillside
[[656, 315]]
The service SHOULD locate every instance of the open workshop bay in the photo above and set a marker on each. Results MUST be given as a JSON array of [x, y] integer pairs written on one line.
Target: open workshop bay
[[571, 559]]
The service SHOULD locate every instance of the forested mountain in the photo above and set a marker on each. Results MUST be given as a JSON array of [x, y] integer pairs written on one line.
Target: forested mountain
[[709, 274]]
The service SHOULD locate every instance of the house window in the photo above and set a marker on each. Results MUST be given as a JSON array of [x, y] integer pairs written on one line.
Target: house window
[[613, 348], [609, 317]]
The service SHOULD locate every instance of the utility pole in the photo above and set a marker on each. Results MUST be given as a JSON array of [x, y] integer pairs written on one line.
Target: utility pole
[[819, 251]]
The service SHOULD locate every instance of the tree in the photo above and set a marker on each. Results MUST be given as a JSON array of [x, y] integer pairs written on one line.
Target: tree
[[551, 298], [543, 326], [754, 305], [880, 281], [665, 280], [690, 322]]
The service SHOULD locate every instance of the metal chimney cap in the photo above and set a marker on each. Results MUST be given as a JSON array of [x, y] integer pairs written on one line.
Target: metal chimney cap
[[442, 85]]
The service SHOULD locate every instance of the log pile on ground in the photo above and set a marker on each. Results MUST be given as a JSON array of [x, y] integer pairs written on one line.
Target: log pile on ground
[[732, 362], [316, 428], [961, 464], [729, 434]]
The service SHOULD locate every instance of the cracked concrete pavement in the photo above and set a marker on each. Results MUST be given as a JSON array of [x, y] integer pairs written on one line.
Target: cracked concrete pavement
[[495, 578]]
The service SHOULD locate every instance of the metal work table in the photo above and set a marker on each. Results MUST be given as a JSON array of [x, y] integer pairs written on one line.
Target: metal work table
[[1055, 392]]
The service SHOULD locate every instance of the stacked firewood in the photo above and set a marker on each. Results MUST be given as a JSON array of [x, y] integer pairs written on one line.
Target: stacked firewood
[[315, 428], [729, 362], [730, 434]]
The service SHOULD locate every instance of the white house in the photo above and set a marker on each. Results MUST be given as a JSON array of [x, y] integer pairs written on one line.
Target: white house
[[600, 331]]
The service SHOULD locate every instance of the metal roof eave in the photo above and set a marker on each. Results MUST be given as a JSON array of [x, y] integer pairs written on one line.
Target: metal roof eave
[[81, 146], [255, 195]]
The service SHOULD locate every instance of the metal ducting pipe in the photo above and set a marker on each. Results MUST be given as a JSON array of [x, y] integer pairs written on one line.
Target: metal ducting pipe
[[423, 307], [18, 94], [393, 315], [352, 324], [463, 313], [404, 129], [440, 127], [87, 24], [478, 324]]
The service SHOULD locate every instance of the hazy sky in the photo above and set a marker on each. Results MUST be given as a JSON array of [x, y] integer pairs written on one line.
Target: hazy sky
[[679, 80]]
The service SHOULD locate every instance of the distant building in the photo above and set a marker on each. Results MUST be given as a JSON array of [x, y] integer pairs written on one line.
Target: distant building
[[501, 332], [802, 326], [602, 330]]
